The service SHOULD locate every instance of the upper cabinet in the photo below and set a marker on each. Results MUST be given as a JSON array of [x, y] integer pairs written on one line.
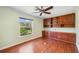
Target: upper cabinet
[[60, 21], [47, 22]]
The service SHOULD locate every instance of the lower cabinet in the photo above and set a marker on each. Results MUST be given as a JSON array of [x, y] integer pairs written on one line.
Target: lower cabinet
[[62, 36]]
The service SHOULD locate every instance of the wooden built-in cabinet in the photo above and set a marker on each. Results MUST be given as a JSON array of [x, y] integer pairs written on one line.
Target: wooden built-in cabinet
[[61, 36], [60, 21]]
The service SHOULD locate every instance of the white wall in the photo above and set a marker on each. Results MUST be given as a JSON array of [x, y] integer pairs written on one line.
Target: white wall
[[9, 32], [68, 30], [77, 27]]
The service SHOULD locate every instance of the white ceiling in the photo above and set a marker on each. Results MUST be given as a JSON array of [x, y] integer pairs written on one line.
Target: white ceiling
[[56, 11]]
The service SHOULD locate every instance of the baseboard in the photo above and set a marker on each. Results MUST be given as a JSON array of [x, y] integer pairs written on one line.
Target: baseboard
[[18, 43]]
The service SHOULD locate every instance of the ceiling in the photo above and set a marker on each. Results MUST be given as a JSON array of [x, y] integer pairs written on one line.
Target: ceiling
[[56, 11]]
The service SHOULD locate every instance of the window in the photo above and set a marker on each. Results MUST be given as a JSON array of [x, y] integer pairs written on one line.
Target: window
[[25, 26]]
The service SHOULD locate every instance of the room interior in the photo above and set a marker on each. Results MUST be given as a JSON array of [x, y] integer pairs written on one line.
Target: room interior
[[39, 29]]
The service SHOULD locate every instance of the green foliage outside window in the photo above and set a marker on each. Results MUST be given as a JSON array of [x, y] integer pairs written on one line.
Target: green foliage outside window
[[25, 27]]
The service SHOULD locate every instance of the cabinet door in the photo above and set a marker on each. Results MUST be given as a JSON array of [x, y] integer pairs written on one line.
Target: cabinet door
[[70, 20], [63, 20], [47, 22], [55, 22], [67, 20], [45, 34]]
